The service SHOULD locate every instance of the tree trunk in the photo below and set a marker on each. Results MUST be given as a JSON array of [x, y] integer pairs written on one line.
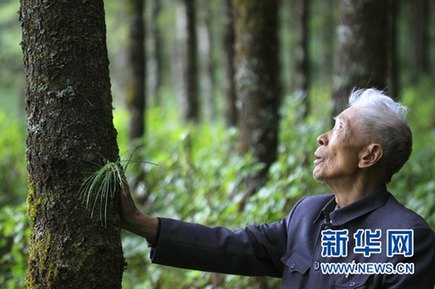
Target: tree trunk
[[207, 62], [211, 63], [301, 56], [136, 90], [327, 9], [393, 73], [157, 52], [228, 47], [420, 14], [70, 133], [135, 95], [258, 81], [361, 52], [190, 100]]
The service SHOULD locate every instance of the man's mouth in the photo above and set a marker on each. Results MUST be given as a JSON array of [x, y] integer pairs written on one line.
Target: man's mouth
[[318, 159]]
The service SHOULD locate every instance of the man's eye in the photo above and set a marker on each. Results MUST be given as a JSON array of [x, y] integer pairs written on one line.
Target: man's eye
[[338, 125]]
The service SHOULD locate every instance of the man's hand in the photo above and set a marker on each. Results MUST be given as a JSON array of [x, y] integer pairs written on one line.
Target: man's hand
[[133, 220]]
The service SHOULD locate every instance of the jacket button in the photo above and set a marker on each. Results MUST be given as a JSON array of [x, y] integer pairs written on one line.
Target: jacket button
[[316, 265], [292, 265], [352, 284]]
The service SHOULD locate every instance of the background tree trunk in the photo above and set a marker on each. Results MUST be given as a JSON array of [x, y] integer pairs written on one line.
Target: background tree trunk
[[301, 77], [393, 73], [136, 80], [212, 61], [328, 8], [420, 15], [136, 91], [190, 100], [361, 52], [207, 59], [228, 62], [258, 82], [70, 134], [156, 35]]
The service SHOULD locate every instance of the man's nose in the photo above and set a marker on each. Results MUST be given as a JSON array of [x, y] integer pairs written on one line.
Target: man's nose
[[322, 139]]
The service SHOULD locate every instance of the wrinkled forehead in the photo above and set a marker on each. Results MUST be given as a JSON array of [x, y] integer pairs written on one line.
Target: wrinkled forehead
[[349, 115], [353, 120]]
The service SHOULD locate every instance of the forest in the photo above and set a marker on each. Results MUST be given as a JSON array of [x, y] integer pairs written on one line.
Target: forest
[[211, 108]]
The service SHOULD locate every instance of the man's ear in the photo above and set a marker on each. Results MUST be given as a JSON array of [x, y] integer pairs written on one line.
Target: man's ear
[[370, 155]]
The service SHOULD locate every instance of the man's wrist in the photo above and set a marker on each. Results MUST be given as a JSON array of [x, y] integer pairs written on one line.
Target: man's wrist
[[143, 225]]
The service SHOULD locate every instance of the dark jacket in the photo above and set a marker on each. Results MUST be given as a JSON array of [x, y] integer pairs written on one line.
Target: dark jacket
[[292, 247]]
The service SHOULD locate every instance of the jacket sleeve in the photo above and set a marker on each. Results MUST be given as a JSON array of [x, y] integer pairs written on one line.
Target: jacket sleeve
[[252, 251], [423, 260]]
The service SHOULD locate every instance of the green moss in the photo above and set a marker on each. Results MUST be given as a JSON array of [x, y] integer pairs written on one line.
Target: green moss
[[40, 247], [33, 204], [39, 253]]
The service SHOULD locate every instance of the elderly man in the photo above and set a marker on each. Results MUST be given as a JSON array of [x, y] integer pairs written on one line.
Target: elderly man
[[357, 237]]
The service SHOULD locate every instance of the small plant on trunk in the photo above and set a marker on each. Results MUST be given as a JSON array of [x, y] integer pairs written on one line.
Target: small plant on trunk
[[100, 187]]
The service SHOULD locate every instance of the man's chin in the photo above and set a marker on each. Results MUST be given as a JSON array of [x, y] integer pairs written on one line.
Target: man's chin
[[317, 175]]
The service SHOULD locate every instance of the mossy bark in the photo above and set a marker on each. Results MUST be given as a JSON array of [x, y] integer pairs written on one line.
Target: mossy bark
[[70, 134]]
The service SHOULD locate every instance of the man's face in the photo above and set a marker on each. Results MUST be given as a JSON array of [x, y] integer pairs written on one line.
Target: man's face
[[337, 157]]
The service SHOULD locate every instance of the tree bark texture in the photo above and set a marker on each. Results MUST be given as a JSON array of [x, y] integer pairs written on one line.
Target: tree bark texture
[[228, 61], [361, 52], [136, 81], [70, 134], [190, 99], [257, 78]]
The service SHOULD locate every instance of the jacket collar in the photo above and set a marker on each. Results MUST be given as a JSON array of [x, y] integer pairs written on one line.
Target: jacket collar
[[366, 204]]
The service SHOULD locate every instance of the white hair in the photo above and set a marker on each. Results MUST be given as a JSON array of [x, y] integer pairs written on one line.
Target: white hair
[[385, 122]]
